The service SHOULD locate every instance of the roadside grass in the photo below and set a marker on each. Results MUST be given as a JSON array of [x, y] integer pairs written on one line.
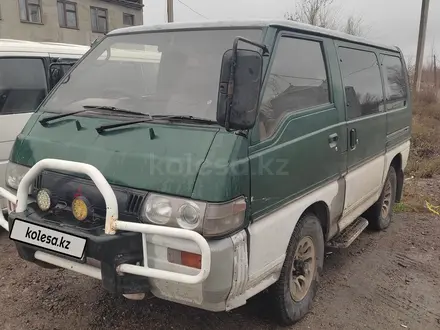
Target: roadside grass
[[423, 170], [424, 159]]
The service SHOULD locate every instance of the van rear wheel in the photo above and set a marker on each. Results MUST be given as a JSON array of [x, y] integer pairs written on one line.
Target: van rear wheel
[[379, 215], [296, 288]]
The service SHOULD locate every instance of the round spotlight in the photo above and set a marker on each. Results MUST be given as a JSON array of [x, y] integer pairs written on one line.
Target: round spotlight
[[44, 199], [80, 208]]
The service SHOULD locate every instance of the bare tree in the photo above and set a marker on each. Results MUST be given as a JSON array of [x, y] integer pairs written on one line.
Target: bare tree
[[323, 14], [354, 26], [397, 80], [314, 12]]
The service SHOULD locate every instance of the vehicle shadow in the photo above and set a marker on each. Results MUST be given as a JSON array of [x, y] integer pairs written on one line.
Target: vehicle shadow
[[154, 313], [257, 313]]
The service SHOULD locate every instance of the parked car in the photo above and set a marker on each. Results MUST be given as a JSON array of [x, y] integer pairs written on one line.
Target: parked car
[[215, 163], [24, 82]]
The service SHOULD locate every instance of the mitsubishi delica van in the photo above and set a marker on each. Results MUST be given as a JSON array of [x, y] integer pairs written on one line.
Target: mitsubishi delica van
[[205, 163]]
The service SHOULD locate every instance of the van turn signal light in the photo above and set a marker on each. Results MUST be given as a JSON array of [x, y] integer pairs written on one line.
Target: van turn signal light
[[184, 258]]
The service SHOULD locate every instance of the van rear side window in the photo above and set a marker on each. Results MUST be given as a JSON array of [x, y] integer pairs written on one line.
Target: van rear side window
[[362, 82], [23, 84], [395, 81]]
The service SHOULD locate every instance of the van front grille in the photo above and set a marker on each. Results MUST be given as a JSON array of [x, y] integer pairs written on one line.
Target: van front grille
[[134, 203], [37, 182]]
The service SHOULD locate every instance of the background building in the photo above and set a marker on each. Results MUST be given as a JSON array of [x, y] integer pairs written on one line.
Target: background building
[[69, 21]]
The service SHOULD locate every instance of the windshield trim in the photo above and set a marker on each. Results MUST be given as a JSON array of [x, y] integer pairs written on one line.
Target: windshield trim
[[131, 30]]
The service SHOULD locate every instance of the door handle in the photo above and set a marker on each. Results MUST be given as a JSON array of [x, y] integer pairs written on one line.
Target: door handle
[[333, 140], [353, 139]]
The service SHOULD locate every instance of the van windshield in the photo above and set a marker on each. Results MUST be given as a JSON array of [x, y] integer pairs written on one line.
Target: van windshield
[[157, 73]]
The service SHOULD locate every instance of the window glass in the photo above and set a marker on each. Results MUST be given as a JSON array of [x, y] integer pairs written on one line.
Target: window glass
[[67, 14], [70, 7], [395, 81], [30, 10], [99, 20], [22, 85], [34, 13], [362, 82], [297, 81], [172, 72], [128, 19], [71, 18], [94, 19], [58, 70], [23, 11], [102, 24], [61, 18]]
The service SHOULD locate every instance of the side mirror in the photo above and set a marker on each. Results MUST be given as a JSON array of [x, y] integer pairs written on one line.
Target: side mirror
[[57, 71], [240, 87]]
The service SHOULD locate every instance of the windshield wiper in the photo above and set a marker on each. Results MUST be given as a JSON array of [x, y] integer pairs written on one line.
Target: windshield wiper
[[185, 118], [50, 118], [93, 107], [102, 128], [115, 109]]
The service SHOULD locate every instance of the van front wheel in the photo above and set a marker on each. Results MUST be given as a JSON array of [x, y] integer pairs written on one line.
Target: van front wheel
[[296, 288]]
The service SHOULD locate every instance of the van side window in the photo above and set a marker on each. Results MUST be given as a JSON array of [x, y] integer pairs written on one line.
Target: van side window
[[362, 81], [58, 69], [23, 84], [297, 81], [395, 81]]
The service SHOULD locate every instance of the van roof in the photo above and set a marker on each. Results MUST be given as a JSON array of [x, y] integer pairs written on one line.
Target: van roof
[[251, 24], [13, 45]]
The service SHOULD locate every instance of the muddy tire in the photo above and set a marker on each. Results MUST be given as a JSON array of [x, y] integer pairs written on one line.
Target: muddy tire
[[292, 295], [379, 215]]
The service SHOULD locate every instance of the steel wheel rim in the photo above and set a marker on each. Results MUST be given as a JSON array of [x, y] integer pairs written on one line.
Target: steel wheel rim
[[386, 205], [303, 269]]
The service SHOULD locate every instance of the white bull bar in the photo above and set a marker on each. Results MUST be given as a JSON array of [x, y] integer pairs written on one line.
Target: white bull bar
[[112, 224]]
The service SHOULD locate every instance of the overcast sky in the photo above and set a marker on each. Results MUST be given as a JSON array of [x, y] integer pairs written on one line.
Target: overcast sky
[[394, 22]]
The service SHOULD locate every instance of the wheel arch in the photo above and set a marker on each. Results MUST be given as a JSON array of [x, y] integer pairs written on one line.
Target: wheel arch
[[278, 226], [322, 212]]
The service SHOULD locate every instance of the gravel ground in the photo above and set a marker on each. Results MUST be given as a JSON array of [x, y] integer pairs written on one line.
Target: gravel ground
[[387, 280]]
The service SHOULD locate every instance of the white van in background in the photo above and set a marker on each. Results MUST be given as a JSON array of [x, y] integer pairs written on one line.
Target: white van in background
[[25, 80]]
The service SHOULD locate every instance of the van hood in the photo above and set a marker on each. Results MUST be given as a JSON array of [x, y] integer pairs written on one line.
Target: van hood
[[164, 158]]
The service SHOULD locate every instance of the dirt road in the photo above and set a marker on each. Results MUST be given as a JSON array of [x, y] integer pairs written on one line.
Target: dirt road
[[388, 280]]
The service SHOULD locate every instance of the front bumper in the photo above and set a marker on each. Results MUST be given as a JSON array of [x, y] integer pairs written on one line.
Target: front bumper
[[132, 257]]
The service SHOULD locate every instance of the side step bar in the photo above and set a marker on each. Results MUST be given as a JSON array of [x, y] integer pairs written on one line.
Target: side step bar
[[346, 237]]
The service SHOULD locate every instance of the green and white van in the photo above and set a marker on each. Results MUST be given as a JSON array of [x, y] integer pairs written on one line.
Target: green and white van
[[206, 162]]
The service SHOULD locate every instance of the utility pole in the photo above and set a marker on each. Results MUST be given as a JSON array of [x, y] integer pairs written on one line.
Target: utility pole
[[421, 44], [170, 10], [435, 73]]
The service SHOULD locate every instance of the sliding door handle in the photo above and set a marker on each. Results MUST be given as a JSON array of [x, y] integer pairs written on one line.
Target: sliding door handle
[[353, 139]]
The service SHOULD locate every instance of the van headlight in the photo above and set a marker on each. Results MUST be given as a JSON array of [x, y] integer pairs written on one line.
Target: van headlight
[[188, 215], [158, 209], [14, 174], [209, 219]]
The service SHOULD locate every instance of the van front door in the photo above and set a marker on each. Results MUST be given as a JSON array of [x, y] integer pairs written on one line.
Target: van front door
[[300, 135], [366, 125]]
